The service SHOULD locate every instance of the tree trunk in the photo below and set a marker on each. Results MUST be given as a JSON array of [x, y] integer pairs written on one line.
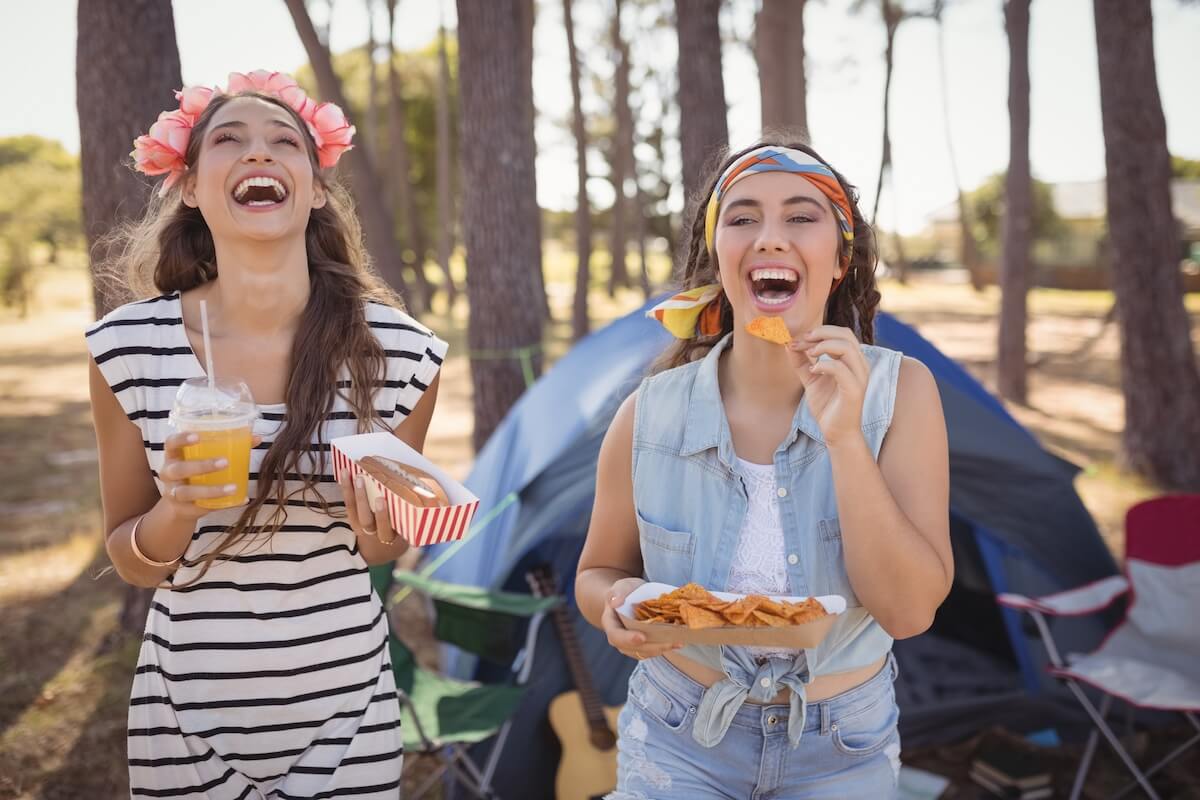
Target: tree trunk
[[779, 52], [402, 184], [893, 15], [583, 210], [622, 157], [527, 18], [122, 84], [445, 196], [360, 170], [703, 129], [1159, 375], [500, 226], [1017, 228], [369, 136]]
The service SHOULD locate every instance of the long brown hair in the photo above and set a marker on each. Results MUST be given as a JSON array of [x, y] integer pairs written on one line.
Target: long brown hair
[[171, 250], [852, 304]]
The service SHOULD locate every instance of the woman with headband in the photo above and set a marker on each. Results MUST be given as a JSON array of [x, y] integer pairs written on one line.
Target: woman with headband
[[812, 468]]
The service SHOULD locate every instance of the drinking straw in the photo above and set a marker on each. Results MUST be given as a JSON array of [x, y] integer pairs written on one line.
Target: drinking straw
[[212, 379]]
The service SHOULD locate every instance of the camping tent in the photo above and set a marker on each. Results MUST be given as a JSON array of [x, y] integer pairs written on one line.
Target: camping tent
[[1017, 525]]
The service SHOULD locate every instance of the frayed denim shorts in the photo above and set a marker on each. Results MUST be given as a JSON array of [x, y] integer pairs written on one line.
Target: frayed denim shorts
[[850, 748]]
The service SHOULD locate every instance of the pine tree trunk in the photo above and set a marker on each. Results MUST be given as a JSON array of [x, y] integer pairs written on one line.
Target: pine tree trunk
[[122, 84], [528, 17], [1018, 211], [359, 169], [1159, 375], [499, 225], [371, 128], [779, 52], [703, 128], [583, 211], [622, 157], [445, 176]]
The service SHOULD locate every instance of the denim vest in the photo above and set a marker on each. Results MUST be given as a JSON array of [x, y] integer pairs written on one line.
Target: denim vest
[[690, 503]]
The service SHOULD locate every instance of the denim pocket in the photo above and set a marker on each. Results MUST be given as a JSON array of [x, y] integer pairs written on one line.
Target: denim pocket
[[657, 703], [867, 730], [836, 578], [666, 554]]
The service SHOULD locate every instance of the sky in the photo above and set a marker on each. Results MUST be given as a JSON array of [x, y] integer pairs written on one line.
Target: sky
[[844, 70]]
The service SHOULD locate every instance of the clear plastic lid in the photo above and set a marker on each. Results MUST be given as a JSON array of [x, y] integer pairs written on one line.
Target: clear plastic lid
[[226, 404]]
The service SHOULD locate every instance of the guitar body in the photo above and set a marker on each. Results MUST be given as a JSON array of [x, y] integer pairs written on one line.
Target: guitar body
[[585, 771]]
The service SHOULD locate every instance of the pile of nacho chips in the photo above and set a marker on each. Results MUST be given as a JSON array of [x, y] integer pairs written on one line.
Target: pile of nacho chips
[[773, 329], [697, 608]]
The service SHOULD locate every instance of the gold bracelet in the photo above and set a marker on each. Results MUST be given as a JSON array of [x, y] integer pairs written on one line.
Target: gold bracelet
[[137, 551]]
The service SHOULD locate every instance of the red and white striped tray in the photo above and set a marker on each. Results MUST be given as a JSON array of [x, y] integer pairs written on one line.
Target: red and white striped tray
[[419, 526]]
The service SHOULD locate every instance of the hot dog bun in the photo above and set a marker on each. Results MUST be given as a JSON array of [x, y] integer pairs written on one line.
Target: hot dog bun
[[414, 485]]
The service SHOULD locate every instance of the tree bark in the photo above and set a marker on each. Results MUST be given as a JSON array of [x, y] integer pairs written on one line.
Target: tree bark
[[371, 126], [500, 226], [703, 128], [779, 52], [893, 15], [122, 84], [1159, 375], [402, 184], [621, 161], [527, 19], [583, 211], [1016, 231], [445, 177], [360, 170]]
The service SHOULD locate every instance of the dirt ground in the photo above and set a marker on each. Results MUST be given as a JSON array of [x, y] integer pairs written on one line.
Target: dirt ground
[[65, 674]]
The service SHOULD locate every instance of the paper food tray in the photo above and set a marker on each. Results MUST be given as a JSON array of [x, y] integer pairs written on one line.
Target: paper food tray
[[419, 526], [803, 636]]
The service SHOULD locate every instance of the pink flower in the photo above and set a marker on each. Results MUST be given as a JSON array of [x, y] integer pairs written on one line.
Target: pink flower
[[162, 149], [331, 131], [300, 102], [260, 80], [194, 99]]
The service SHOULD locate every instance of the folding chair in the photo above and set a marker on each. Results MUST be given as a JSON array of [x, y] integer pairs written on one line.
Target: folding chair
[[1152, 658], [442, 716]]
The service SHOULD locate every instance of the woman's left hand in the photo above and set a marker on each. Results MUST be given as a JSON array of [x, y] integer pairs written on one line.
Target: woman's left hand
[[365, 519], [835, 386]]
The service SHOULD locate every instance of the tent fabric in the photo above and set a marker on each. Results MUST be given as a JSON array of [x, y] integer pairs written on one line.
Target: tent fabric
[[1017, 525]]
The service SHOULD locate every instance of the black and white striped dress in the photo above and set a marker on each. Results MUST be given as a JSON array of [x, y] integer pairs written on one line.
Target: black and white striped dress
[[270, 677]]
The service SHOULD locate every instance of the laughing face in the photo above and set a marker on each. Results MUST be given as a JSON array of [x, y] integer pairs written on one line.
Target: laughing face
[[777, 245], [253, 178]]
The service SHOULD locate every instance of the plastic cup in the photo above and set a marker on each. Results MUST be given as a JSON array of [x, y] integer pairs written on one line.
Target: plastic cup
[[222, 415]]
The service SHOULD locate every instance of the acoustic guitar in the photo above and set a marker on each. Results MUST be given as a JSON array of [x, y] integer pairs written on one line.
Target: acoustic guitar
[[585, 727]]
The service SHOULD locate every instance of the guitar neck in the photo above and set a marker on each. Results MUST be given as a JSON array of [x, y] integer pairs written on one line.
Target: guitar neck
[[593, 707]]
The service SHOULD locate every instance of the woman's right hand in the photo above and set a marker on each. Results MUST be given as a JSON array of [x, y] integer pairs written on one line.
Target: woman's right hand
[[630, 643], [177, 493]]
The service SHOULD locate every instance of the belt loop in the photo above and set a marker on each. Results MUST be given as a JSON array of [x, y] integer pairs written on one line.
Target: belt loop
[[824, 707], [894, 664]]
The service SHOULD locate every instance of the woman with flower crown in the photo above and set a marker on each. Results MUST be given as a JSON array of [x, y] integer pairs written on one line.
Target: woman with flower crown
[[264, 669]]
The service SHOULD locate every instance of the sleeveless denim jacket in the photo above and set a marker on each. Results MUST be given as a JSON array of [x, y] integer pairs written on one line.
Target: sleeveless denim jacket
[[690, 502]]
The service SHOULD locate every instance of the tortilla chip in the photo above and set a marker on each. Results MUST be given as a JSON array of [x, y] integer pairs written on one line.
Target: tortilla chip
[[697, 608], [773, 329], [698, 618]]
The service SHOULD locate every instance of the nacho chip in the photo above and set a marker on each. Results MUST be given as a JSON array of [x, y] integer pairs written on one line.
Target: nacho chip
[[773, 329], [697, 608], [697, 617]]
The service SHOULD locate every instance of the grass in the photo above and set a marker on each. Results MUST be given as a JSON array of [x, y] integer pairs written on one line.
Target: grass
[[65, 673]]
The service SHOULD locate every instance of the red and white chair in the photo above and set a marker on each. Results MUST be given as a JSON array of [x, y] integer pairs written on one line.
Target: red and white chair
[[1152, 658]]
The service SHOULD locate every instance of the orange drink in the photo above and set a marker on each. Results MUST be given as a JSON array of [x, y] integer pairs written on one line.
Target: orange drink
[[221, 414]]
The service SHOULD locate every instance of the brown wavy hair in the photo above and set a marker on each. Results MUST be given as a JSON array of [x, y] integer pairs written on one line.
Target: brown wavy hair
[[171, 250], [852, 304]]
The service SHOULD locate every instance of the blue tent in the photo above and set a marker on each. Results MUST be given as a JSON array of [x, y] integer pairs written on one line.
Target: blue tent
[[1017, 525]]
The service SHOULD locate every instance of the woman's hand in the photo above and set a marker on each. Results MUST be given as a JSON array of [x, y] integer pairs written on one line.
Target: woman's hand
[[630, 643], [181, 496], [366, 519], [835, 386]]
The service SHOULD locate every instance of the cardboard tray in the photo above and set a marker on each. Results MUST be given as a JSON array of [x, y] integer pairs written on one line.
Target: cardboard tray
[[419, 526], [803, 636]]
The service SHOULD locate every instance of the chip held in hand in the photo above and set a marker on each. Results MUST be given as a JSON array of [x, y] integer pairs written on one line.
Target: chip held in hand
[[772, 329]]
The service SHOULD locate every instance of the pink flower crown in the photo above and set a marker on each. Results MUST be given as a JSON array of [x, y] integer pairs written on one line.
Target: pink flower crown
[[161, 151]]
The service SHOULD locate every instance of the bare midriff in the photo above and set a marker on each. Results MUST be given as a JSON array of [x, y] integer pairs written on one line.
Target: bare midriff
[[822, 687]]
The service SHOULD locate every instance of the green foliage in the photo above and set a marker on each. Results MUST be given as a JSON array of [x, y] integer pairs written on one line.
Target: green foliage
[[1188, 168], [986, 204], [40, 204]]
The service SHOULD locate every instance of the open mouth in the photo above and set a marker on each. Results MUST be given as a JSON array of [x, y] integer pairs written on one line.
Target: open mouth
[[259, 191], [774, 285]]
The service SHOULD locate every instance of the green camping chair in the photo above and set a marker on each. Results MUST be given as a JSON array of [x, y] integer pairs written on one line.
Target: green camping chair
[[443, 716]]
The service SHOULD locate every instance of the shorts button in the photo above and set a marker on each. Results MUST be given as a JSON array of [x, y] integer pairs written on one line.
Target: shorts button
[[765, 683], [793, 558], [772, 720], [782, 492]]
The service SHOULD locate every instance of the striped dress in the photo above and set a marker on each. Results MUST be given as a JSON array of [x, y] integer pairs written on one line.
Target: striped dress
[[270, 677]]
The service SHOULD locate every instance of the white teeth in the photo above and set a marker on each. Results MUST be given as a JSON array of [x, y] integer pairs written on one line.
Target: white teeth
[[773, 302], [773, 274], [260, 180]]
